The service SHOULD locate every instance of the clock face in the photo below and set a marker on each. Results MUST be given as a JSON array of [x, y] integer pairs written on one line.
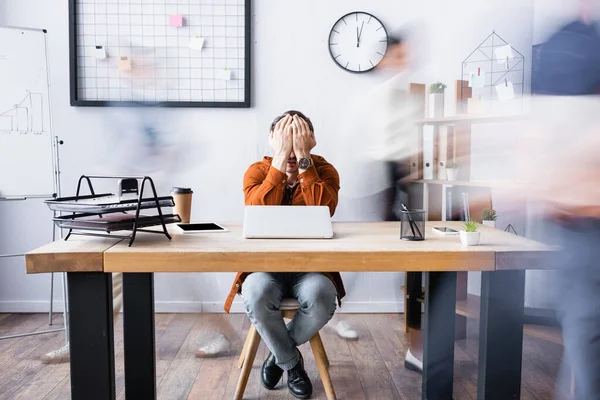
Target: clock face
[[358, 42]]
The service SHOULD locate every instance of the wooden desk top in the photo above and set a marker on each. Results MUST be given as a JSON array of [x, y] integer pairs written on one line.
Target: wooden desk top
[[78, 254], [373, 246]]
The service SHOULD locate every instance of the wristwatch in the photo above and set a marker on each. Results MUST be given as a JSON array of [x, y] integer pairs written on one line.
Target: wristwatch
[[305, 163]]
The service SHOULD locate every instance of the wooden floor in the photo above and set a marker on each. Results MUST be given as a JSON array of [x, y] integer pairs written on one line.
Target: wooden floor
[[370, 368]]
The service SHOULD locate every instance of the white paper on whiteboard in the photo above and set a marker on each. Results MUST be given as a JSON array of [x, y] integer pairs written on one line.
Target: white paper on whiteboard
[[99, 52], [503, 54], [224, 75], [196, 43], [505, 91]]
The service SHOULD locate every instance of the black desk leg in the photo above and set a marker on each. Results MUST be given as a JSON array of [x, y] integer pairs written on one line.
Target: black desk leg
[[501, 335], [414, 291], [438, 335], [91, 336], [138, 336]]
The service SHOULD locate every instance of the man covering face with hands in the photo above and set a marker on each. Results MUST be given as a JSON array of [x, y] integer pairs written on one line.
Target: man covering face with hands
[[292, 138], [293, 176]]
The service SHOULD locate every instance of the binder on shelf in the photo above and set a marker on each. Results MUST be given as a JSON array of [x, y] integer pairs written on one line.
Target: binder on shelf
[[445, 149], [429, 165], [417, 95], [442, 151], [466, 210], [108, 212], [416, 158]]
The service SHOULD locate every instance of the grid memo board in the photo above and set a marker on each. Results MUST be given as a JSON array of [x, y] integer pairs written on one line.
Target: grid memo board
[[174, 53]]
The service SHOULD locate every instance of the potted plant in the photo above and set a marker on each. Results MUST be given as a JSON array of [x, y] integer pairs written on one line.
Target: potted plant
[[488, 217], [469, 236], [452, 171], [436, 99]]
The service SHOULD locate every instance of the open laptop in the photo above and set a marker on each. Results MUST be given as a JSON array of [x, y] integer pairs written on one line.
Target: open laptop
[[287, 222]]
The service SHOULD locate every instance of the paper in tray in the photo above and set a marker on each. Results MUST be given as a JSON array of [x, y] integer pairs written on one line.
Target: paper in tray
[[112, 222], [105, 203]]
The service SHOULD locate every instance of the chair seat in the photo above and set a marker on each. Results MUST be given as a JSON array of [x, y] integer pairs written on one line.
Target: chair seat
[[289, 304]]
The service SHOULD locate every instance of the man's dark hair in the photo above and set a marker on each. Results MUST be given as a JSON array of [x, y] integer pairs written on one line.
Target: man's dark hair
[[292, 113], [395, 38]]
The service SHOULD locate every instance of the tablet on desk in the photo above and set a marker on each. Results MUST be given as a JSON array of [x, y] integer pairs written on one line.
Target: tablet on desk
[[201, 227], [444, 230]]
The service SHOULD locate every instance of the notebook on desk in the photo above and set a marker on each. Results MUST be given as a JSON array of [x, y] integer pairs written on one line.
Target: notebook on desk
[[287, 222]]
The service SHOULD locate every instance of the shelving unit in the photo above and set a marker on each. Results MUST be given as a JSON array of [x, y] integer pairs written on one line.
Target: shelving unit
[[471, 118], [484, 184], [457, 146], [470, 307]]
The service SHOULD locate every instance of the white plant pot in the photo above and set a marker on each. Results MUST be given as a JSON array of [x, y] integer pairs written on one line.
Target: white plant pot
[[452, 174], [469, 238], [436, 105], [489, 223]]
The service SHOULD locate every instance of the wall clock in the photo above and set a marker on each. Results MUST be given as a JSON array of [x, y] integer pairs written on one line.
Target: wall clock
[[358, 42]]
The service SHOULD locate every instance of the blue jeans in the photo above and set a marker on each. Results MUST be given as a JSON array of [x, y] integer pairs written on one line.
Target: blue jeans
[[579, 263], [263, 292]]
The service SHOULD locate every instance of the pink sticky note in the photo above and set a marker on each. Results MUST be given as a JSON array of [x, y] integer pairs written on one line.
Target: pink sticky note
[[176, 20]]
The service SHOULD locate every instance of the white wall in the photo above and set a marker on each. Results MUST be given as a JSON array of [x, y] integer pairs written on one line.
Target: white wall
[[291, 69], [551, 14]]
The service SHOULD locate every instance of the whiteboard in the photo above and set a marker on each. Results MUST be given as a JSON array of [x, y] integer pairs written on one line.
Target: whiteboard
[[26, 151], [182, 53]]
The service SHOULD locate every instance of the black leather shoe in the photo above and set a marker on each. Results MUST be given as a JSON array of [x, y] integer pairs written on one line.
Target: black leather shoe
[[270, 373], [298, 382]]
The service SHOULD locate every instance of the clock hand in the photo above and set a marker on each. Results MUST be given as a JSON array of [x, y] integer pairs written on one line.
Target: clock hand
[[361, 28], [357, 36]]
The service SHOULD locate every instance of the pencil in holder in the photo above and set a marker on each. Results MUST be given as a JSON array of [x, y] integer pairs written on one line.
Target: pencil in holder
[[412, 225]]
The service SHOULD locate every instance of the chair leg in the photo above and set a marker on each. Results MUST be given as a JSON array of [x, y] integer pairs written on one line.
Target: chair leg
[[321, 359], [405, 296], [51, 298], [245, 348], [318, 337], [253, 344]]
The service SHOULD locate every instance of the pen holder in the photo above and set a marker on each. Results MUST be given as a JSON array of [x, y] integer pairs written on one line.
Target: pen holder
[[412, 225]]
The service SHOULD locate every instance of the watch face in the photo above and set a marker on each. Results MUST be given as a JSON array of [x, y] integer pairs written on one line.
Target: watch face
[[304, 163], [358, 42]]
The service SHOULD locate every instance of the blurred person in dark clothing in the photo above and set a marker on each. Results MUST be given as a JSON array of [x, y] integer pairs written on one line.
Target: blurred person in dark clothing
[[566, 171]]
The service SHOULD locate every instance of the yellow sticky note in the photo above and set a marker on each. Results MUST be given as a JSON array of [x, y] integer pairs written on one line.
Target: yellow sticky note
[[124, 64]]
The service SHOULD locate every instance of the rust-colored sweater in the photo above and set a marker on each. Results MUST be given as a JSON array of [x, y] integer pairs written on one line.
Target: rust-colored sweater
[[264, 185]]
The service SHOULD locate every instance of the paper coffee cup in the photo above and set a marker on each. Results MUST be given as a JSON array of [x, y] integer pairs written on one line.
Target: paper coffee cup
[[183, 203]]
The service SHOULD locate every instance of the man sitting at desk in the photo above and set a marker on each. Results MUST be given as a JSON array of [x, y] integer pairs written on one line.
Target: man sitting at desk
[[292, 177]]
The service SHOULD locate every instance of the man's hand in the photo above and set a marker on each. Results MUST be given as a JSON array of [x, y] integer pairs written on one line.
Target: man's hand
[[304, 139], [281, 142]]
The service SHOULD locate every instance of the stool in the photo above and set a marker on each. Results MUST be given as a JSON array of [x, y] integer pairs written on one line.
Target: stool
[[289, 307]]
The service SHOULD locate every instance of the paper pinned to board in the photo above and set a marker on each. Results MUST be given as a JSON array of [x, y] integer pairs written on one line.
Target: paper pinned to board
[[176, 20], [224, 75], [477, 79], [196, 43], [503, 54], [99, 52], [505, 91], [124, 64]]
